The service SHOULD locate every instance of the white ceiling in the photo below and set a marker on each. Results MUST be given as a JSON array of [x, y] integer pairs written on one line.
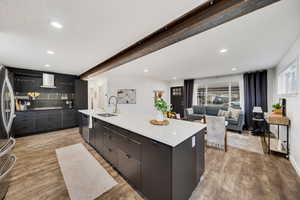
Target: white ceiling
[[255, 41], [97, 30], [93, 30]]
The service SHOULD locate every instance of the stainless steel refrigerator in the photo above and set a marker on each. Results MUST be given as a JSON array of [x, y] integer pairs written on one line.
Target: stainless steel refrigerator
[[7, 142]]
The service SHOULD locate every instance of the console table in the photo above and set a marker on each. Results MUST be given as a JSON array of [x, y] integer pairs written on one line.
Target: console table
[[278, 120]]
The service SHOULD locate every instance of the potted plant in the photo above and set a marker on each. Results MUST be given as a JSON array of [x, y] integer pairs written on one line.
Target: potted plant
[[277, 109], [162, 107]]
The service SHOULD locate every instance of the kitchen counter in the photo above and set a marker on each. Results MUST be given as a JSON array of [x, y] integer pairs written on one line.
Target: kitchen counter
[[161, 162], [173, 134]]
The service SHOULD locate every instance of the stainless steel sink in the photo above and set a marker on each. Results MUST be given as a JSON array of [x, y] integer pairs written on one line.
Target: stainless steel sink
[[106, 115]]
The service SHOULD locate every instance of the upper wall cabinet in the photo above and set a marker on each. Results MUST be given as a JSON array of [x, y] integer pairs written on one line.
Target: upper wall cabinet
[[81, 94], [31, 81], [27, 83], [65, 84]]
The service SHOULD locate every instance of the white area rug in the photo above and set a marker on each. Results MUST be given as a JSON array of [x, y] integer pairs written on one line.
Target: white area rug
[[246, 142], [85, 178]]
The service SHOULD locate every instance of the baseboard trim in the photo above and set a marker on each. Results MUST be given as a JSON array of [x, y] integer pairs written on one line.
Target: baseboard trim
[[296, 167]]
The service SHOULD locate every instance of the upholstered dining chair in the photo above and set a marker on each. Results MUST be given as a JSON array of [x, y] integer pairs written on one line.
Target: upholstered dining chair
[[216, 132]]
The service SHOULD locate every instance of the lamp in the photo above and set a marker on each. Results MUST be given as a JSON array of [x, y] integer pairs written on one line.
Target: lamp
[[258, 112], [257, 109]]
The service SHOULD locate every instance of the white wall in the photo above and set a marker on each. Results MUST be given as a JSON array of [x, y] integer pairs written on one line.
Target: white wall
[[145, 88], [293, 107], [144, 91]]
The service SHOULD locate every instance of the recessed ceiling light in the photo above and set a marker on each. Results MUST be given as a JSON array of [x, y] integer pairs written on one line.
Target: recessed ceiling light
[[47, 65], [234, 69], [223, 50], [174, 78], [56, 24], [50, 52], [146, 70]]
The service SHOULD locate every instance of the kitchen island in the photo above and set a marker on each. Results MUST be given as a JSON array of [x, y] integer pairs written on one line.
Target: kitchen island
[[161, 162]]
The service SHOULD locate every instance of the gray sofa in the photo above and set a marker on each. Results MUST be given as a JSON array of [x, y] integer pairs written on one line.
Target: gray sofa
[[198, 113]]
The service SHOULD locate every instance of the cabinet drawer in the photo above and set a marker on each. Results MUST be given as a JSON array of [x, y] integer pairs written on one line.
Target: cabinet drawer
[[69, 123], [110, 139], [22, 130], [110, 155], [129, 145], [130, 168]]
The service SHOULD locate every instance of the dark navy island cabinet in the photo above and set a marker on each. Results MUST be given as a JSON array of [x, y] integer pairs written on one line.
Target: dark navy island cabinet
[[158, 171]]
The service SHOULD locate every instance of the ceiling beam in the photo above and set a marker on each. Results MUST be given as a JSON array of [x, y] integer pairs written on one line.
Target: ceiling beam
[[204, 17]]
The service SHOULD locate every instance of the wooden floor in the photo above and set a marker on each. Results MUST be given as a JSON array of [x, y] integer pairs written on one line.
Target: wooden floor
[[236, 174]]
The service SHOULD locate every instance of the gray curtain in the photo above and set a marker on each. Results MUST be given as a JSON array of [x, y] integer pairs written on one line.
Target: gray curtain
[[255, 89], [188, 90]]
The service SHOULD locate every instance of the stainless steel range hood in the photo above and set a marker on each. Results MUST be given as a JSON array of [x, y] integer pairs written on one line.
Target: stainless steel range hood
[[48, 81]]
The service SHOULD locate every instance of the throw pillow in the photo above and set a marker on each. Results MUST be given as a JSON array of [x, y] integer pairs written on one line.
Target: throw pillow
[[234, 113], [224, 113], [189, 111]]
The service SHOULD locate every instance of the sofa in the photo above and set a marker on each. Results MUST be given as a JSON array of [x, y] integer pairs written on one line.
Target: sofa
[[199, 112]]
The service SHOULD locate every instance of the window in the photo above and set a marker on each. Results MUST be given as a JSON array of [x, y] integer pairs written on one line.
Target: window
[[288, 79], [201, 95], [220, 94], [235, 96]]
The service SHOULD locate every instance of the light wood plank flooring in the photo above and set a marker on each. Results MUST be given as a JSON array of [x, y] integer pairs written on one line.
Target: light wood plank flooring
[[236, 174]]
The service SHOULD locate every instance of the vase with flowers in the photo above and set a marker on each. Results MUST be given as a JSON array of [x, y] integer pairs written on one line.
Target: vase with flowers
[[162, 107]]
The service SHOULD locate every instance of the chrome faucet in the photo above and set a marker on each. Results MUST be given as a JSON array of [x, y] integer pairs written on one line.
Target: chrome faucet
[[116, 103]]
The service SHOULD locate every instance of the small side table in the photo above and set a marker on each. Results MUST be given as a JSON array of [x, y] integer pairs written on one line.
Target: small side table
[[278, 120], [260, 126]]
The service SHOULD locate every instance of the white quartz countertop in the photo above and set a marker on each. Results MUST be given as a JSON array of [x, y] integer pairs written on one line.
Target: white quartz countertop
[[173, 134]]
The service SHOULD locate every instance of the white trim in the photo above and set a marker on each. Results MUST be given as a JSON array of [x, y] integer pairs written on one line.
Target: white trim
[[294, 164]]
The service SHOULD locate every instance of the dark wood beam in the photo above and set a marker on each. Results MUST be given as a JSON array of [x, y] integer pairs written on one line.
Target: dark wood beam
[[198, 20]]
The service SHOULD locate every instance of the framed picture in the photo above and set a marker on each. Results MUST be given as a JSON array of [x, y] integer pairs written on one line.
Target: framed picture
[[288, 79], [126, 96]]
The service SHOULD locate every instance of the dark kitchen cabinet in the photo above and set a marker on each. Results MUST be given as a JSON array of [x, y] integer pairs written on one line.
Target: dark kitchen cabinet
[[109, 146], [30, 122], [200, 156], [24, 124], [130, 168], [31, 81], [65, 84], [81, 94], [27, 83], [93, 135], [98, 136], [156, 170], [69, 118], [48, 120], [84, 127]]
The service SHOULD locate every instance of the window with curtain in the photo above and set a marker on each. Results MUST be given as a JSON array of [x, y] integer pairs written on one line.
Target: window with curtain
[[223, 94], [218, 94]]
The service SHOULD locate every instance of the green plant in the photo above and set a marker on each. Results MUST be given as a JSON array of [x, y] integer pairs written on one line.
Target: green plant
[[277, 106], [161, 105]]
